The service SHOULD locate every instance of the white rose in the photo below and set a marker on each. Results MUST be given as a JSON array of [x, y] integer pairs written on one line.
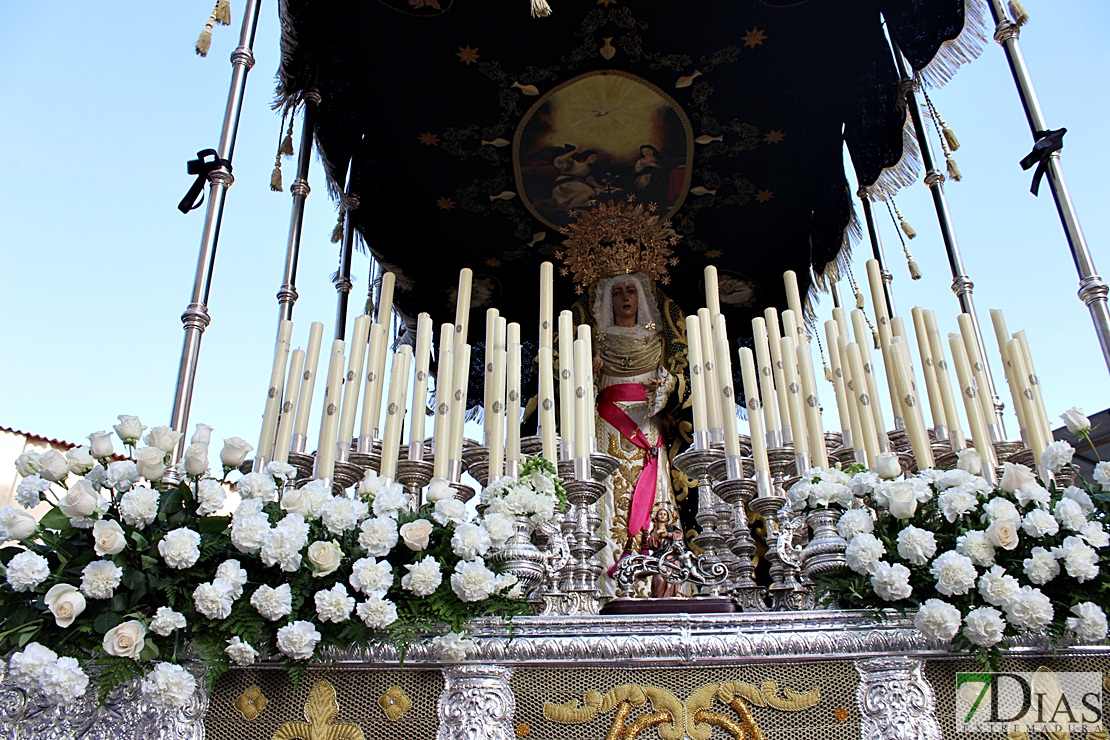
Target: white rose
[[416, 534], [234, 452], [887, 465], [53, 466], [1015, 476], [954, 573], [371, 483], [1003, 533], [196, 459], [27, 464], [80, 500], [901, 500], [129, 429], [16, 524], [334, 604], [324, 557], [100, 445], [280, 470], [180, 548], [1089, 622], [938, 620], [984, 626], [298, 640], [79, 459], [438, 490], [166, 620], [163, 438], [240, 653], [916, 545], [202, 435], [273, 603], [970, 460], [65, 602], [108, 537], [125, 640], [26, 571], [150, 462], [1075, 421]]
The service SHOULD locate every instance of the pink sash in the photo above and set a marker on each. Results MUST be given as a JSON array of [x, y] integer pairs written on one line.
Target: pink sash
[[643, 496]]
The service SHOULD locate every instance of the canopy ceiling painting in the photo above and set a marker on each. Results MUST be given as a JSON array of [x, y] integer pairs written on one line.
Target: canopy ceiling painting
[[472, 132]]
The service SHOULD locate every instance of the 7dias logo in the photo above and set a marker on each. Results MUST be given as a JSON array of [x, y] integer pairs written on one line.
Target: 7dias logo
[[1042, 701]]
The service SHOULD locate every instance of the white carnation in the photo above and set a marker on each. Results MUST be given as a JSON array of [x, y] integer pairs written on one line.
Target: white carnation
[[449, 510], [938, 620], [891, 582], [1057, 455], [1080, 559], [984, 626], [280, 470], [955, 573], [500, 528], [210, 496], [370, 576], [1029, 610], [168, 686], [452, 647], [334, 604], [249, 532], [863, 552], [473, 581], [377, 536], [29, 666], [390, 500], [423, 578], [180, 548], [1002, 510], [308, 501], [976, 546], [298, 640], [855, 521], [28, 493], [257, 485], [100, 579], [282, 545], [1095, 535], [139, 507], [377, 612], [63, 681], [1070, 514], [1081, 497], [342, 514], [273, 603], [470, 541], [233, 573], [1041, 566], [214, 599], [122, 474], [1102, 475], [916, 545], [864, 483], [952, 478], [241, 653], [997, 587], [1089, 622], [1039, 523], [27, 570], [956, 502], [165, 621], [1033, 492]]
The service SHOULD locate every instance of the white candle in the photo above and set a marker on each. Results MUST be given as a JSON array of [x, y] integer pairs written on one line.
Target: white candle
[[583, 398], [487, 385], [308, 380], [329, 419], [352, 387], [461, 377], [1002, 336], [272, 408], [841, 320], [888, 367], [289, 404], [928, 369], [788, 351], [423, 362], [712, 291], [774, 335], [724, 381], [462, 305], [975, 422], [790, 329], [755, 410], [978, 367], [794, 301], [768, 395], [878, 295], [547, 403], [445, 391], [915, 424], [371, 404], [951, 414], [814, 426], [832, 332], [851, 386], [395, 409], [495, 422], [385, 300], [864, 401], [512, 397], [697, 374], [1035, 432], [1034, 384], [867, 378], [566, 385], [547, 292], [709, 368]]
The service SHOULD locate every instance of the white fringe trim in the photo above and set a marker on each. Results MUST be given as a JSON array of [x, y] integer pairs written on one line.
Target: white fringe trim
[[959, 51], [835, 269], [905, 171]]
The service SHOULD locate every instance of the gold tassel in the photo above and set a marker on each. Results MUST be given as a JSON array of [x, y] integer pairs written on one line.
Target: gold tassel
[[859, 299], [950, 137], [286, 147], [910, 233], [337, 232], [953, 169], [204, 42], [275, 176], [1017, 10], [875, 338], [915, 271], [540, 9], [223, 12]]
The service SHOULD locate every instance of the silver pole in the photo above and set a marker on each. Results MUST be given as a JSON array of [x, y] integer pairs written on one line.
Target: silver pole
[[961, 283], [877, 250], [342, 279], [196, 317], [1092, 288], [287, 294]]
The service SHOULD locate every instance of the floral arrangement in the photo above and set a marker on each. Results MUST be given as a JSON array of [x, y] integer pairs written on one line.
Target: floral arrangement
[[537, 493], [131, 576], [981, 563]]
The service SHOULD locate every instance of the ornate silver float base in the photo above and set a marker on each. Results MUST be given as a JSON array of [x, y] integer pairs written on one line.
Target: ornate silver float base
[[895, 701], [476, 703]]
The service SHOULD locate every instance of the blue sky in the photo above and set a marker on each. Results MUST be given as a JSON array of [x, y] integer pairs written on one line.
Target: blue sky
[[105, 105]]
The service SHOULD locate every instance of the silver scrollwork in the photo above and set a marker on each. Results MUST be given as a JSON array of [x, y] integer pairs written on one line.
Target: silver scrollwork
[[476, 703], [895, 701]]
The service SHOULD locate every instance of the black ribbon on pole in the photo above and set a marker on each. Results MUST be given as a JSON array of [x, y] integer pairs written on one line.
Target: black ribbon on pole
[[207, 162], [1047, 143]]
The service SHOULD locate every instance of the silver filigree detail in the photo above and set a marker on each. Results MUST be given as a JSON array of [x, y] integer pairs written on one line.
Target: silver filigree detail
[[476, 703], [895, 701]]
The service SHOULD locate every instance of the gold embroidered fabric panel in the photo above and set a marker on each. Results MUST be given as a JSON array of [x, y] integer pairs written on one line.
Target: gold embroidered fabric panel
[[379, 703]]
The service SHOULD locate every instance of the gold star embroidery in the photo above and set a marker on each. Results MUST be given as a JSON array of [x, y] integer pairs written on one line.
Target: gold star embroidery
[[764, 195], [713, 254], [754, 37], [428, 138], [445, 203], [467, 54], [773, 137], [493, 262]]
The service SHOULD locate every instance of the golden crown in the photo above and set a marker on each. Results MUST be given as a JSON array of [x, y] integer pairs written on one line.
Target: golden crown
[[612, 238]]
